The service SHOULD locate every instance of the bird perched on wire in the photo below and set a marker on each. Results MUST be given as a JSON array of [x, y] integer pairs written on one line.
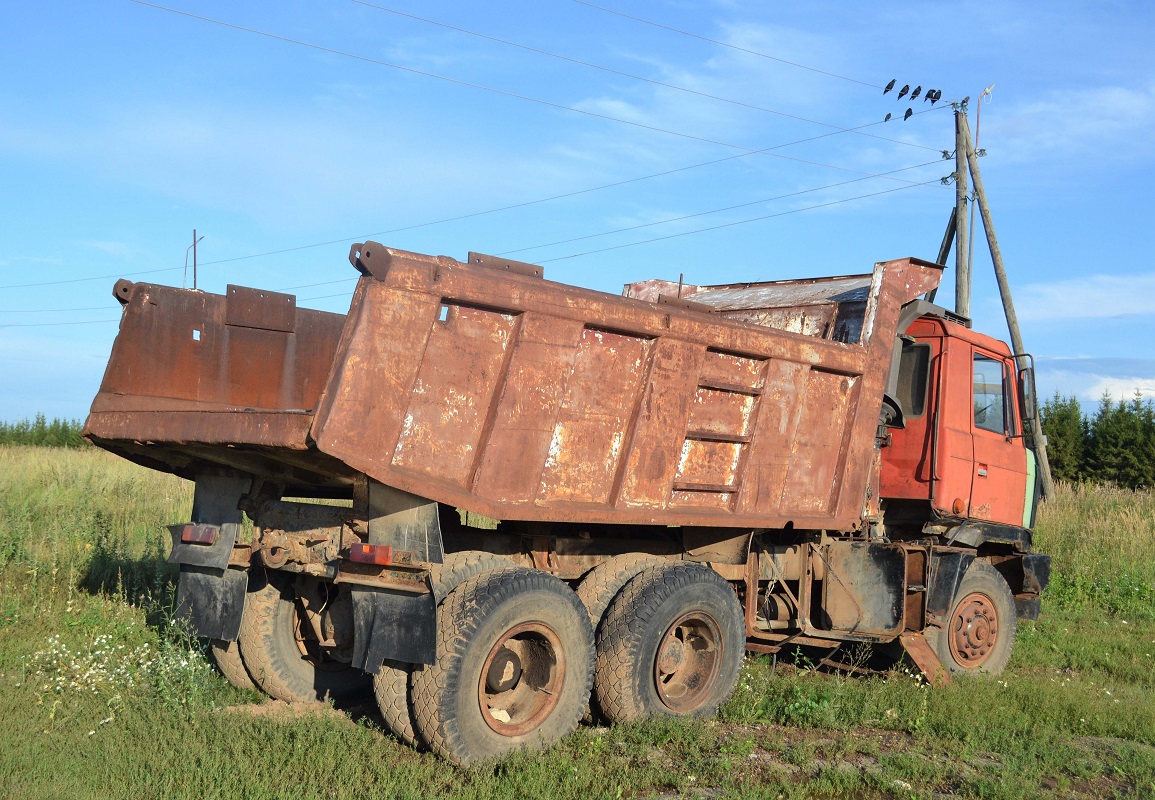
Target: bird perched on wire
[[889, 86], [887, 119], [906, 116], [914, 94], [903, 91], [935, 97]]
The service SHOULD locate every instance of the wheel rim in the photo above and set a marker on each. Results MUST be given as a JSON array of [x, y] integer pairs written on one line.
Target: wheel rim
[[688, 662], [521, 679], [974, 630]]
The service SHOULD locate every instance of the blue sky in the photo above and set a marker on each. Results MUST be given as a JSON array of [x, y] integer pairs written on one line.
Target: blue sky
[[124, 126]]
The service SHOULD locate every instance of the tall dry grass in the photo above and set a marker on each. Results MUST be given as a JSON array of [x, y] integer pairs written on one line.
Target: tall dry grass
[[88, 513], [1102, 544]]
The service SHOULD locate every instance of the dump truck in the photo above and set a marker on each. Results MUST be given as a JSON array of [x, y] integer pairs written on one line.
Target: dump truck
[[503, 503]]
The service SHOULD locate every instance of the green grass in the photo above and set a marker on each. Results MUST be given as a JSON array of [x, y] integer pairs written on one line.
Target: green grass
[[105, 698]]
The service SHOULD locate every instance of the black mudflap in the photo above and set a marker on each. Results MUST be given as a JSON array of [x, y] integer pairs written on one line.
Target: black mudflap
[[212, 600], [396, 625]]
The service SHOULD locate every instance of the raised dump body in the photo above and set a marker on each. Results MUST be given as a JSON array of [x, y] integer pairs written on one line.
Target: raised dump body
[[669, 477], [522, 399]]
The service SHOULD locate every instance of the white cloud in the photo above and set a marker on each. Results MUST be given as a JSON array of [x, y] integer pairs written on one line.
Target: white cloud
[[1121, 388], [1087, 297], [1107, 123]]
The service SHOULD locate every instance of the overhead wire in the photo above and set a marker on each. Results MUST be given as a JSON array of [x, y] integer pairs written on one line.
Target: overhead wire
[[482, 87], [599, 250], [747, 151], [55, 324], [713, 211], [444, 220], [740, 222], [508, 252], [46, 310], [725, 44], [642, 78]]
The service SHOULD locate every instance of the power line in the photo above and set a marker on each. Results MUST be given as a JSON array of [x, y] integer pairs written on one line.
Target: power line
[[748, 152], [369, 236], [54, 324], [46, 310], [457, 218], [491, 89], [740, 222], [726, 44], [600, 250], [713, 211], [644, 79], [82, 280]]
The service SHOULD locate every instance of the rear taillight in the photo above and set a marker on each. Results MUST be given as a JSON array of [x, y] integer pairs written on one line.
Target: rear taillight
[[199, 534], [379, 554]]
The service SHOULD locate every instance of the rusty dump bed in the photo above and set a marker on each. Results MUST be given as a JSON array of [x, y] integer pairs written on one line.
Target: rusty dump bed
[[519, 398]]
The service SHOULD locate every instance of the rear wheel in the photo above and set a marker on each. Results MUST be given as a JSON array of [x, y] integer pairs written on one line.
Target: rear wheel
[[282, 652], [980, 631], [391, 683], [598, 588], [514, 667], [227, 656], [671, 643]]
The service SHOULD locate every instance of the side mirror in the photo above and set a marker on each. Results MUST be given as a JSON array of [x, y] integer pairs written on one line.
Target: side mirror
[[1027, 392]]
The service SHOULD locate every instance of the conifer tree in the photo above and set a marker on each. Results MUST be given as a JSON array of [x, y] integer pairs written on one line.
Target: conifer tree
[[1115, 443], [1066, 433]]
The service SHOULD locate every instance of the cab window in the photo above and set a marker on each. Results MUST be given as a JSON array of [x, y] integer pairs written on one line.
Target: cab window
[[990, 393]]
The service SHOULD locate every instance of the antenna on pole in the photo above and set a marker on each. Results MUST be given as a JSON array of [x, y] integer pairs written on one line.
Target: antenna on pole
[[193, 247]]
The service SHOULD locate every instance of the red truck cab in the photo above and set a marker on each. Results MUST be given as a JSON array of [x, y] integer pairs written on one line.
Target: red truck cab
[[959, 445]]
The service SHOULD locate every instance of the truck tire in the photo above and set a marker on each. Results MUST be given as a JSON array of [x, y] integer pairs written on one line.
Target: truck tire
[[227, 656], [514, 666], [391, 684], [598, 589], [980, 631], [274, 645], [671, 643], [602, 584]]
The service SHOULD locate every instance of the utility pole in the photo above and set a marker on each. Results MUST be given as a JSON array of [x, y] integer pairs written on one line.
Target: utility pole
[[1038, 441], [962, 276], [195, 240]]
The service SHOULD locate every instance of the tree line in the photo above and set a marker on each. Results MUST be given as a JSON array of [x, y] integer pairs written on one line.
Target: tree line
[[1114, 445], [41, 432]]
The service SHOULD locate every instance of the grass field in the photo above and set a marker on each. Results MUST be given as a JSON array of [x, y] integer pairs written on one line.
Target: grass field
[[103, 698]]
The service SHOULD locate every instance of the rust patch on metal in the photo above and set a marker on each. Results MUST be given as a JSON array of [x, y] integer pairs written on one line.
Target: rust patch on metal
[[521, 399]]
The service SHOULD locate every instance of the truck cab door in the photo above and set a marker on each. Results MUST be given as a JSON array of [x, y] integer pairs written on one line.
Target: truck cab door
[[999, 477]]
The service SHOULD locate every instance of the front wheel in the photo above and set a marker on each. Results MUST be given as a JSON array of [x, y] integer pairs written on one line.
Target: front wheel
[[980, 631], [513, 670]]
